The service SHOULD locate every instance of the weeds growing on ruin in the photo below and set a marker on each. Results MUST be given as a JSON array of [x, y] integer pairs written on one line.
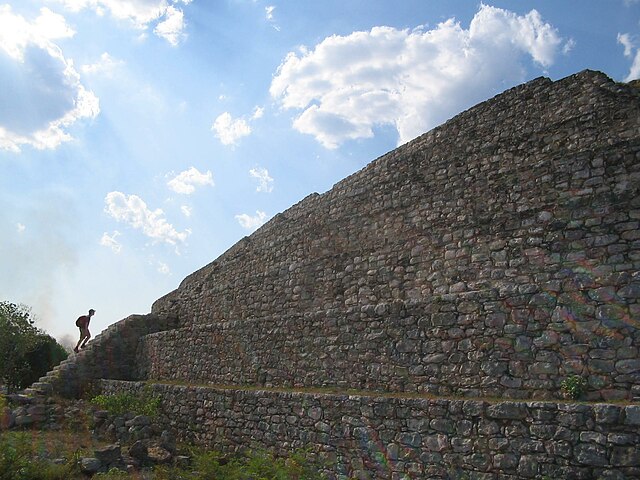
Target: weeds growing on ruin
[[574, 386]]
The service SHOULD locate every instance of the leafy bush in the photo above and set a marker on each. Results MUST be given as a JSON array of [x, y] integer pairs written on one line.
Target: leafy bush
[[122, 403], [574, 386]]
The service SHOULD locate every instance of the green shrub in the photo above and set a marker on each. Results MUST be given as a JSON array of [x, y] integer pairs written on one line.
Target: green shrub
[[574, 386], [122, 403]]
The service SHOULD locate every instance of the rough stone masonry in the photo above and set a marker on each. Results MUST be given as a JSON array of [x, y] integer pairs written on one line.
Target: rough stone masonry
[[443, 293]]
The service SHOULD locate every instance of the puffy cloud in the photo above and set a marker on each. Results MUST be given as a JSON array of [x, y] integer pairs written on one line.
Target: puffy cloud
[[171, 29], [251, 223], [133, 211], [141, 13], [228, 130], [111, 242], [410, 79], [20, 228], [631, 50], [265, 182], [41, 94], [104, 66], [186, 182]]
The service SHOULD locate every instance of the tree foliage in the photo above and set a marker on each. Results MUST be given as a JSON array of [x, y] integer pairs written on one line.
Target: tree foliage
[[26, 352]]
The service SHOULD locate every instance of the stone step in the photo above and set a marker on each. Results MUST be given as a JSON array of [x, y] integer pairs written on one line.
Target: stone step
[[32, 392], [44, 387]]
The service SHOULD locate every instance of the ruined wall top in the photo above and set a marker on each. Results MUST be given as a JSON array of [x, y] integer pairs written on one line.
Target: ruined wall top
[[535, 189]]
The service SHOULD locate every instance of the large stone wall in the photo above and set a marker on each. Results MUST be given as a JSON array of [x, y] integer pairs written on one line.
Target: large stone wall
[[470, 344], [378, 437], [511, 232]]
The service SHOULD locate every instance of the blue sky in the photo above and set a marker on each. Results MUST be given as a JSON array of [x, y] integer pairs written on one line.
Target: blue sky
[[140, 139]]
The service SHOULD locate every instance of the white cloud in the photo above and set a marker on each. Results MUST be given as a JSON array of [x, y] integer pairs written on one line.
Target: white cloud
[[412, 80], [141, 13], [172, 28], [228, 130], [631, 50], [133, 211], [269, 16], [186, 182], [41, 94], [104, 66], [251, 223], [624, 39], [20, 227], [258, 112], [186, 210], [269, 12], [265, 182], [111, 242]]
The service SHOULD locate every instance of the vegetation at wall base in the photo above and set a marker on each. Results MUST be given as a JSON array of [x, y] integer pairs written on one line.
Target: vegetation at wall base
[[28, 455]]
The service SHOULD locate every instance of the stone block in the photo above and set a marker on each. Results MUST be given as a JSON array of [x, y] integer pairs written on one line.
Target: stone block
[[507, 410]]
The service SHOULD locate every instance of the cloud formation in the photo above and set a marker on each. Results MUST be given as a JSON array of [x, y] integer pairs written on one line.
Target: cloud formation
[[410, 79], [168, 18], [104, 66], [251, 223], [171, 29], [265, 182], [228, 130], [632, 51], [270, 17], [133, 211], [186, 182], [41, 94]]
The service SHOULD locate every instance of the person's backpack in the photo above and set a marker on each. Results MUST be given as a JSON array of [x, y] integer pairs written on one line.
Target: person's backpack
[[80, 322]]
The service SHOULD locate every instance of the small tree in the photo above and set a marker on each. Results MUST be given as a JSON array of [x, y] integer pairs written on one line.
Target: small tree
[[26, 352]]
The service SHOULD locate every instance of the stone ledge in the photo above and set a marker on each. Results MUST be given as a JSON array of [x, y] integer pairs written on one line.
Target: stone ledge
[[380, 436]]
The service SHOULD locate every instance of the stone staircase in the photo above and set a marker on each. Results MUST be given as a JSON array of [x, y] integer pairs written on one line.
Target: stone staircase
[[111, 354]]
